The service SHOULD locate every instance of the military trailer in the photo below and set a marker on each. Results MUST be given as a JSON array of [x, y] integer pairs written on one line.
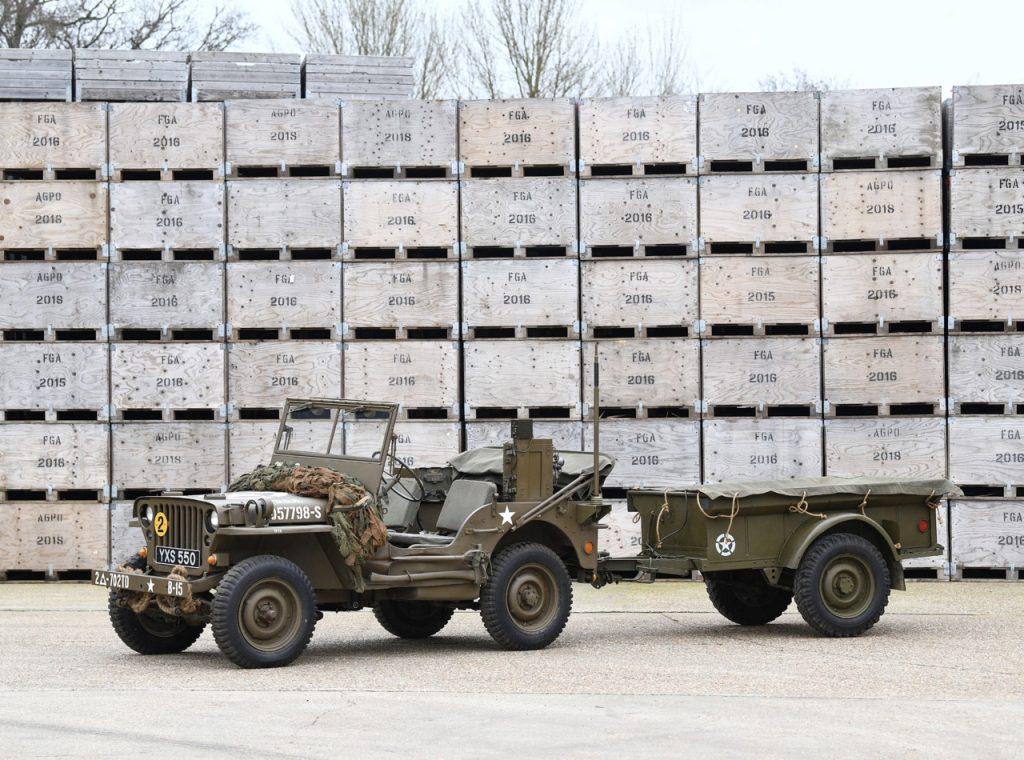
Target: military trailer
[[504, 530]]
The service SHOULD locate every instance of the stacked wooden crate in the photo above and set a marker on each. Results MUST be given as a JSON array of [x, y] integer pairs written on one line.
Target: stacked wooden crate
[[131, 75], [228, 75], [759, 285], [29, 74], [401, 270], [357, 77], [986, 308], [54, 445]]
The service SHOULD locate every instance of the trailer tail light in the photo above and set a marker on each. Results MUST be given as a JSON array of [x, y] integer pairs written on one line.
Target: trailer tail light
[[922, 526]]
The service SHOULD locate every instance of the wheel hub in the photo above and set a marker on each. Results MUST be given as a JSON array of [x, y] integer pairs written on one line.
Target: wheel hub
[[531, 597], [847, 586], [268, 615]]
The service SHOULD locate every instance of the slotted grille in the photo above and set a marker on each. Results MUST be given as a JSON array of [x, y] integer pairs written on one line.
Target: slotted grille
[[184, 526]]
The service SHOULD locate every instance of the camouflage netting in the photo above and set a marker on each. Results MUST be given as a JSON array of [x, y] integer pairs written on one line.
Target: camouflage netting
[[357, 526]]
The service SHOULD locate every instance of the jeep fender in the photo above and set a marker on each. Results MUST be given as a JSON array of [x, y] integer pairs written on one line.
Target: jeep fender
[[809, 532]]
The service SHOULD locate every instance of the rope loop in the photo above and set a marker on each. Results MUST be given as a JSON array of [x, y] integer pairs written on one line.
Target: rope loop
[[800, 508]]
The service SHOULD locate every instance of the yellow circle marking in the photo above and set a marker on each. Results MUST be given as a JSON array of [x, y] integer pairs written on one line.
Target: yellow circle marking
[[160, 524]]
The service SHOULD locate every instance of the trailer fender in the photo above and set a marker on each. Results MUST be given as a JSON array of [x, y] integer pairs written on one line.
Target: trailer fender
[[809, 532]]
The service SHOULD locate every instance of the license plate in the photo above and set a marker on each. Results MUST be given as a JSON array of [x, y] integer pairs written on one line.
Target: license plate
[[112, 580], [167, 555]]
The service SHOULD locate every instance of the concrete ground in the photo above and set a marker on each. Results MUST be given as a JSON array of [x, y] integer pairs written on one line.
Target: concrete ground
[[647, 671]]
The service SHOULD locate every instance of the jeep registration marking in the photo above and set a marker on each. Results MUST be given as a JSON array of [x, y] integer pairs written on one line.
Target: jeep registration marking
[[297, 512]]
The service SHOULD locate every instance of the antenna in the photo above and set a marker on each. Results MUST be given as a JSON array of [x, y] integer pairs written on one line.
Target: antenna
[[596, 490]]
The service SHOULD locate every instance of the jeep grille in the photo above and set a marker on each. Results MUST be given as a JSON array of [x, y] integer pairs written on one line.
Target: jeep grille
[[184, 529]]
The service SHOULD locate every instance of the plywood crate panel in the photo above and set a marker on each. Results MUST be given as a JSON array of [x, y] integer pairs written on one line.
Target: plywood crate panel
[[882, 287], [881, 125], [168, 455], [167, 136], [399, 133], [986, 286], [986, 204], [278, 214], [987, 450], [639, 134], [418, 373], [37, 296], [51, 537], [226, 75], [656, 213], [759, 127], [623, 538], [644, 373], [520, 292], [755, 290], [897, 447], [55, 376], [518, 213], [35, 74], [987, 534], [53, 455], [275, 133], [522, 374], [183, 294], [167, 376], [759, 209], [879, 208], [160, 215], [284, 294], [904, 369], [132, 74], [68, 214], [357, 76], [566, 436], [262, 375], [639, 292], [53, 136], [125, 541], [762, 372], [401, 214], [762, 449], [657, 453], [517, 132], [987, 121], [986, 369], [420, 444], [400, 294], [251, 444]]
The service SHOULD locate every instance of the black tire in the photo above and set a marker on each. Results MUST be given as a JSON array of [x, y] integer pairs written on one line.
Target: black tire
[[842, 585], [744, 596], [264, 612], [411, 619], [527, 601], [150, 632]]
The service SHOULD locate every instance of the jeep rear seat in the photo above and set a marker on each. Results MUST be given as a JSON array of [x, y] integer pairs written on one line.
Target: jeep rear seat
[[464, 498]]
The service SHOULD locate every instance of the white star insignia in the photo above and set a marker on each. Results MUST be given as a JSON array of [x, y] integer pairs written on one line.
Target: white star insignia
[[150, 587], [506, 516]]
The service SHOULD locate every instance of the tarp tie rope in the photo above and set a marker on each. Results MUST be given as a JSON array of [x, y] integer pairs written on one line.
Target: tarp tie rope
[[657, 523], [801, 508], [733, 511], [864, 503]]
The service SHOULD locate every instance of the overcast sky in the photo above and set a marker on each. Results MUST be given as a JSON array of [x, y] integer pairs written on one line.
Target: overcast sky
[[735, 43]]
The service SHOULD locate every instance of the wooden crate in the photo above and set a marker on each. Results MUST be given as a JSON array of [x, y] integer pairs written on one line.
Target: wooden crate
[[644, 374], [777, 448], [933, 568], [167, 215], [519, 214], [522, 375], [400, 294], [521, 293], [357, 76], [638, 135], [167, 137], [863, 211], [987, 534], [399, 215], [987, 124], [168, 455], [885, 371], [169, 377], [890, 128], [53, 136], [517, 133], [250, 445], [281, 214], [422, 374], [45, 296], [262, 375], [166, 294], [869, 292], [652, 216], [229, 75], [399, 135], [658, 453], [420, 444], [760, 211], [55, 377], [282, 134], [759, 291], [985, 286], [623, 538], [986, 369], [53, 456], [53, 537], [987, 451], [131, 74], [567, 436], [284, 294], [763, 373], [125, 541], [638, 295], [759, 131], [35, 74], [897, 447], [986, 205], [41, 215]]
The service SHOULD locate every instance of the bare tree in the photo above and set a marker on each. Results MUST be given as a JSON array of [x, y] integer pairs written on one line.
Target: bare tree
[[664, 67], [797, 79]]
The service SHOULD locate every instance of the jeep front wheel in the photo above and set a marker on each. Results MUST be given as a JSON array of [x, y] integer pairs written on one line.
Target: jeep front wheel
[[411, 619], [264, 612], [151, 632], [527, 601], [744, 596]]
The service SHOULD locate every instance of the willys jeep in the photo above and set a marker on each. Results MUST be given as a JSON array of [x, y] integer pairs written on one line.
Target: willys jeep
[[502, 530]]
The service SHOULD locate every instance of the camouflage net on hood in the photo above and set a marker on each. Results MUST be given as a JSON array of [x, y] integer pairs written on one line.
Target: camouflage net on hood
[[357, 527]]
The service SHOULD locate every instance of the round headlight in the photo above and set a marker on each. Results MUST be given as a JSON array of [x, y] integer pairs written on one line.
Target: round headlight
[[146, 516], [212, 520]]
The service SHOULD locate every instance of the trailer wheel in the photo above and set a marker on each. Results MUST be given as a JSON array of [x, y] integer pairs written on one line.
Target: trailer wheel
[[411, 619], [527, 601], [744, 596], [842, 585]]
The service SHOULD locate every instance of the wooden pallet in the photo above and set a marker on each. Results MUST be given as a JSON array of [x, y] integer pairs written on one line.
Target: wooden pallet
[[134, 75], [899, 447], [284, 214], [765, 212], [350, 77], [230, 76], [167, 295], [519, 213], [762, 373], [260, 375], [52, 538], [514, 134], [174, 138], [761, 449], [518, 292], [397, 134], [424, 375], [166, 377], [521, 375], [284, 294], [637, 215], [987, 535], [35, 74], [401, 215], [886, 373], [758, 292], [53, 456], [986, 123], [878, 292], [987, 370], [53, 215], [384, 294], [288, 134], [53, 296], [52, 137], [649, 453], [166, 215], [986, 207], [566, 435], [60, 379], [168, 455], [645, 373]]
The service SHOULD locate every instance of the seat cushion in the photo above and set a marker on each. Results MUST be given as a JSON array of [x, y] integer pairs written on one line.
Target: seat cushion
[[464, 498], [408, 539]]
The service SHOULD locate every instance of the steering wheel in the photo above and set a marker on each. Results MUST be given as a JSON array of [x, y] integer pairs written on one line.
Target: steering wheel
[[393, 483]]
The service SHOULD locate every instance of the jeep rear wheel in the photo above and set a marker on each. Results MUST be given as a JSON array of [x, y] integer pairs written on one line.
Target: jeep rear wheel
[[744, 596], [410, 619], [527, 601], [264, 612]]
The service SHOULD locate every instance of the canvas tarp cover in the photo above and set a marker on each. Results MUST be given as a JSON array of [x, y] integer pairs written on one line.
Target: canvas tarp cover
[[487, 460], [878, 486]]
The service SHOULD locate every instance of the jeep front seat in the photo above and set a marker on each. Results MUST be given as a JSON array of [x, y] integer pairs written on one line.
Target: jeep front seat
[[464, 498]]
